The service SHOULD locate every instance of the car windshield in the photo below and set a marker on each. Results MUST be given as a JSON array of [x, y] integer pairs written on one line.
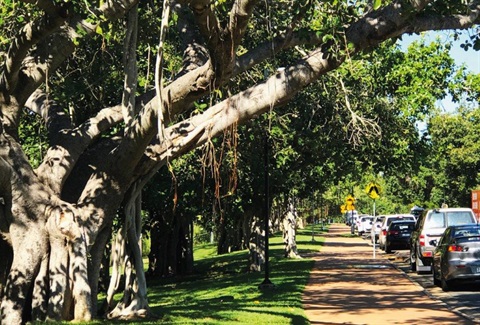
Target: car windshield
[[403, 226], [459, 218], [435, 220], [390, 220], [466, 232]]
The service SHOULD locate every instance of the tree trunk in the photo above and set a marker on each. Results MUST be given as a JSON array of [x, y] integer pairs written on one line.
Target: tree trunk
[[256, 244], [171, 248], [289, 233], [128, 248], [30, 247], [5, 263]]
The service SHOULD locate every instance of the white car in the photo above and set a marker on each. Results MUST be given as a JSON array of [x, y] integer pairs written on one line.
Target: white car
[[364, 224], [375, 230]]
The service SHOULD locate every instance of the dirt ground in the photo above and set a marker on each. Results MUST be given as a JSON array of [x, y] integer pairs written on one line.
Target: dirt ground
[[348, 286]]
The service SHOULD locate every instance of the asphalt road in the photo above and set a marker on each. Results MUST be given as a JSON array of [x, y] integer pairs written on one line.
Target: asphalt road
[[464, 299]]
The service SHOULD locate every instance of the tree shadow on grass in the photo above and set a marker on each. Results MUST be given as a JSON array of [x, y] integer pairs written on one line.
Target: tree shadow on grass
[[222, 291]]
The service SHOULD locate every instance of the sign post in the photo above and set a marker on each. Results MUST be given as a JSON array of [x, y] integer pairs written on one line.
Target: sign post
[[350, 207], [373, 190]]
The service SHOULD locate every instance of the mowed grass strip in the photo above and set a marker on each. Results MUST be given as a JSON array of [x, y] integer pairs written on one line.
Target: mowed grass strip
[[222, 291]]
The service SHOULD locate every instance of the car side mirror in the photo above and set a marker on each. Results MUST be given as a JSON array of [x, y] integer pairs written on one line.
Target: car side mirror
[[433, 242]]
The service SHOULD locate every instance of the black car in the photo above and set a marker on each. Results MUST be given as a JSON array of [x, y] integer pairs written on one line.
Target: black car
[[457, 256], [398, 235]]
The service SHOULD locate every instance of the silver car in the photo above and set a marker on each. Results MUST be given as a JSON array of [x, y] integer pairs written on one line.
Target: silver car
[[430, 227], [457, 256]]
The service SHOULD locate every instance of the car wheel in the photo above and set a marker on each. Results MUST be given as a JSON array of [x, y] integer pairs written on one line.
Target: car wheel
[[445, 284], [436, 281], [388, 250], [413, 259]]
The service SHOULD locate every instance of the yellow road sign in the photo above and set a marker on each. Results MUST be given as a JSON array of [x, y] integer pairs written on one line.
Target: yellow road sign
[[349, 202], [373, 190], [343, 208]]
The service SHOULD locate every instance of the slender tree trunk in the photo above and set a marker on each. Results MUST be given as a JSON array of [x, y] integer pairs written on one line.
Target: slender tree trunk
[[289, 233], [41, 292], [61, 293], [257, 245], [184, 246], [98, 267]]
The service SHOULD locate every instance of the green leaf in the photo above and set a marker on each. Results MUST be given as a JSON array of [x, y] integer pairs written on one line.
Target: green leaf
[[377, 4]]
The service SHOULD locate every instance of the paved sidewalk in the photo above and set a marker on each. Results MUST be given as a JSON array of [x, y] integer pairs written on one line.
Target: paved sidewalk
[[348, 286]]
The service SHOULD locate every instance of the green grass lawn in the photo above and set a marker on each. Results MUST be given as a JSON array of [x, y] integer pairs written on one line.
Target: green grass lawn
[[221, 291]]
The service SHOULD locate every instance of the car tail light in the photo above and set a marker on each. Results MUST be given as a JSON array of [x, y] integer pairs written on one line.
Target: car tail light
[[422, 240], [384, 232], [393, 232], [455, 248], [427, 254]]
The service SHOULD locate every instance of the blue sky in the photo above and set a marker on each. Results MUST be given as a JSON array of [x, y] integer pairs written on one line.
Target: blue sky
[[470, 58]]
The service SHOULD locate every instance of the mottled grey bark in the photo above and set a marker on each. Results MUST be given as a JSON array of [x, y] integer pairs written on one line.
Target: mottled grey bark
[[256, 244], [290, 232]]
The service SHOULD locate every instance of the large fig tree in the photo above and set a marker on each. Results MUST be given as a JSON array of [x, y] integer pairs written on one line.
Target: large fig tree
[[104, 143]]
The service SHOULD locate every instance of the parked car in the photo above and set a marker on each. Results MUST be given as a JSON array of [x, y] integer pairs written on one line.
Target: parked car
[[382, 237], [350, 217], [457, 256], [429, 227], [364, 224], [398, 235], [375, 231]]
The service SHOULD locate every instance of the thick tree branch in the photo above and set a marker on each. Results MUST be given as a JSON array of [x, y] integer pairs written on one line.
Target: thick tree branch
[[195, 54], [62, 157], [423, 23], [398, 18], [207, 23], [49, 6], [130, 67], [239, 18], [30, 35], [55, 118], [49, 58], [255, 101], [269, 49]]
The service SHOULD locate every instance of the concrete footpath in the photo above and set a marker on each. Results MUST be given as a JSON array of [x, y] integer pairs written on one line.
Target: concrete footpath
[[348, 286]]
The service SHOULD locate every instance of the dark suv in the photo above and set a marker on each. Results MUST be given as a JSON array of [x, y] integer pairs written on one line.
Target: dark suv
[[430, 226]]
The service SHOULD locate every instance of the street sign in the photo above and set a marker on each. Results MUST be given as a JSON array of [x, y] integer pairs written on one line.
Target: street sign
[[349, 202], [373, 190], [343, 208], [349, 199]]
